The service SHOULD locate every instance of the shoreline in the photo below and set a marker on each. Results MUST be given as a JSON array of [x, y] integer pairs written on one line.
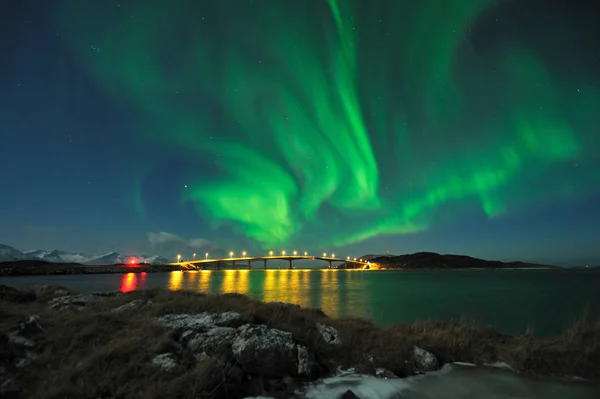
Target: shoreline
[[26, 268], [190, 345]]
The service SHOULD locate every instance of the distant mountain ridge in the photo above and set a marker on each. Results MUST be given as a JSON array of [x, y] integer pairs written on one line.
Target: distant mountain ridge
[[8, 253], [431, 260]]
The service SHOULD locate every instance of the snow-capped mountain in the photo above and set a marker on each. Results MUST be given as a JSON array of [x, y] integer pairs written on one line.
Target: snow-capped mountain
[[8, 253]]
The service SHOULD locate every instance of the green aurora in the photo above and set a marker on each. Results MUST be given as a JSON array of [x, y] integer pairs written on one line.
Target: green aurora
[[339, 121]]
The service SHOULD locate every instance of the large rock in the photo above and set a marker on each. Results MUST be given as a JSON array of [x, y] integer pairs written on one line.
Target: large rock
[[307, 365], [212, 341], [166, 361], [329, 334], [264, 351], [79, 301], [136, 304], [424, 361], [27, 333], [201, 321]]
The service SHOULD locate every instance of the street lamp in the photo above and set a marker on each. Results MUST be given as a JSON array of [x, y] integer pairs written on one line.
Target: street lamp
[[244, 254], [178, 258], [354, 258], [324, 255], [283, 252], [295, 253], [194, 256], [347, 258], [305, 253], [231, 254], [206, 255], [270, 253], [333, 255]]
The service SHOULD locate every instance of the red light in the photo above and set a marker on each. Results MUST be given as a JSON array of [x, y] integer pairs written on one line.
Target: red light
[[133, 261]]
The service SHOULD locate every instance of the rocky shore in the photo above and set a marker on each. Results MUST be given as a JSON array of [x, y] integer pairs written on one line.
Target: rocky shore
[[156, 344], [42, 268]]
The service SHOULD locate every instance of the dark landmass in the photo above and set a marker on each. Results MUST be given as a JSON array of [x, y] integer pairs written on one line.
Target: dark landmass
[[430, 260], [176, 344], [40, 267], [416, 261]]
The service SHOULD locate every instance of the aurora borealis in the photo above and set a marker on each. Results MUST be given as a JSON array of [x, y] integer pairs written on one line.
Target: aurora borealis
[[337, 123]]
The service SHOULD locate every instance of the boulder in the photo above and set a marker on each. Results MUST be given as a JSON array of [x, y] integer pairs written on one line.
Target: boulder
[[329, 334], [264, 351], [138, 303], [202, 321], [77, 302], [384, 373], [349, 395], [215, 340], [166, 361], [27, 332], [424, 361], [46, 290], [307, 365]]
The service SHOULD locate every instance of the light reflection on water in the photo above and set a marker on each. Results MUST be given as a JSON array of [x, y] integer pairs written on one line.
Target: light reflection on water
[[307, 288], [507, 300]]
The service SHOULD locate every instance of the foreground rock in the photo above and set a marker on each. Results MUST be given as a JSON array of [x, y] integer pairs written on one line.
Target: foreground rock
[[257, 349], [79, 301]]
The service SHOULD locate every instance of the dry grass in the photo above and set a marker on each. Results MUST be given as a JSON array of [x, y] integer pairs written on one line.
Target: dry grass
[[98, 354]]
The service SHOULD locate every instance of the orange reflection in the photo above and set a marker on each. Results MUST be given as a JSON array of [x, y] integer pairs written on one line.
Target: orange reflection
[[128, 282], [192, 277], [270, 288], [287, 286], [330, 294], [175, 280], [204, 281], [235, 281]]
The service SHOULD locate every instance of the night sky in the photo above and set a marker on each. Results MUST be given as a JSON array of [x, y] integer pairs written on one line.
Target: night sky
[[453, 126]]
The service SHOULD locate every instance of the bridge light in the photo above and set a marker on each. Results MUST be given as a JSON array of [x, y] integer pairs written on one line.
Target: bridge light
[[283, 252], [178, 258], [231, 254], [206, 255], [270, 253], [305, 253], [194, 256], [333, 255], [347, 258], [354, 258], [361, 260], [244, 254], [324, 255], [295, 253]]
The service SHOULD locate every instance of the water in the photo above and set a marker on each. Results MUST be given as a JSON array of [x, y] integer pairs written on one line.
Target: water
[[509, 300], [453, 382]]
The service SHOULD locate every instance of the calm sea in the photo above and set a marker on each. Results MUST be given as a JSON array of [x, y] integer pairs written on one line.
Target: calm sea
[[509, 300]]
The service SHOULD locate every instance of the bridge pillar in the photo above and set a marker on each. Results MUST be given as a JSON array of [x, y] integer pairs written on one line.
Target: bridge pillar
[[329, 264], [265, 264], [290, 266], [249, 265], [233, 265], [218, 265]]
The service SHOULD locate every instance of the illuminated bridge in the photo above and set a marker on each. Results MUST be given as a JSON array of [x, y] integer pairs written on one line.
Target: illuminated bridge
[[246, 261]]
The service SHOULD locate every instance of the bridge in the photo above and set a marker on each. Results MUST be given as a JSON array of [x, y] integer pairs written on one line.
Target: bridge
[[247, 260]]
